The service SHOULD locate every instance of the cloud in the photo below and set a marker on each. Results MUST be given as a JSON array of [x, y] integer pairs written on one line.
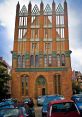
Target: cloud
[[7, 20], [76, 59]]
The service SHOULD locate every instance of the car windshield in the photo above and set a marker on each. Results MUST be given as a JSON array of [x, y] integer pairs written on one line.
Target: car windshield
[[78, 99], [50, 98], [63, 107], [9, 112]]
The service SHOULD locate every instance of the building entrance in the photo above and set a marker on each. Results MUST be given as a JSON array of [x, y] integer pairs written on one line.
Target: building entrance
[[43, 91], [40, 86]]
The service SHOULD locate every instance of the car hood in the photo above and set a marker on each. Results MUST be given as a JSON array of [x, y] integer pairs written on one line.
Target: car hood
[[66, 114], [79, 105]]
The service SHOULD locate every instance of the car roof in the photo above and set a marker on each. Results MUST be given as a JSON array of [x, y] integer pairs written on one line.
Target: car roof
[[60, 101], [77, 95]]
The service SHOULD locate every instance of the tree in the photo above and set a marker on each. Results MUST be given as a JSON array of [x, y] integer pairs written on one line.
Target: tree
[[75, 87], [4, 78]]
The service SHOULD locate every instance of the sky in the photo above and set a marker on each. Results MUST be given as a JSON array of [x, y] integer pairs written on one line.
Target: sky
[[7, 25]]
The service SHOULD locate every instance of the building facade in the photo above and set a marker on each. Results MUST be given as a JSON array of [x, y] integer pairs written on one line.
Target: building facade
[[41, 62]]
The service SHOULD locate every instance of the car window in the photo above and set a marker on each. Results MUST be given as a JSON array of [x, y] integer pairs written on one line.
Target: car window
[[49, 98], [78, 99], [11, 112], [63, 107]]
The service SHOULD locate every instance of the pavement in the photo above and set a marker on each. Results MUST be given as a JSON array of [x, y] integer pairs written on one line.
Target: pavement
[[38, 111]]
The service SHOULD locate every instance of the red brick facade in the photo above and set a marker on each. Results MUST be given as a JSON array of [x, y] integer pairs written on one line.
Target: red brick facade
[[41, 62]]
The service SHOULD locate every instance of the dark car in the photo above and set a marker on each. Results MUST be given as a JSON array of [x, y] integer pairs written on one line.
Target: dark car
[[6, 104], [29, 110], [47, 100], [12, 112], [25, 106], [77, 98], [29, 100], [40, 100], [30, 103], [62, 108]]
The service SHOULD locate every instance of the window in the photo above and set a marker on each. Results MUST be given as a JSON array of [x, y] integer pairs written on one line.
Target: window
[[49, 60], [63, 60], [19, 61], [48, 46], [45, 61], [20, 34], [58, 60], [45, 33], [36, 33], [36, 60], [49, 33], [34, 46], [23, 61], [32, 60], [57, 84], [24, 85], [45, 20], [32, 33], [41, 81]]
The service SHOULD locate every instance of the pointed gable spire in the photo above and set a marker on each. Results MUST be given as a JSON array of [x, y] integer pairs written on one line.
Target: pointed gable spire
[[17, 8], [65, 5], [53, 2], [41, 7], [65, 1], [53, 6], [29, 7]]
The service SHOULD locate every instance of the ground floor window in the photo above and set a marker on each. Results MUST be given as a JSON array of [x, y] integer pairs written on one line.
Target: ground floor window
[[57, 84], [24, 85]]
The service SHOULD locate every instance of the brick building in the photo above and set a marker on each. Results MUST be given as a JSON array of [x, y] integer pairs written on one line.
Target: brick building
[[41, 57]]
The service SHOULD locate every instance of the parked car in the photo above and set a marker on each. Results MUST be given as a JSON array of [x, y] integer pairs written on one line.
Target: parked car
[[77, 98], [40, 100], [6, 104], [12, 112], [62, 108], [47, 100]]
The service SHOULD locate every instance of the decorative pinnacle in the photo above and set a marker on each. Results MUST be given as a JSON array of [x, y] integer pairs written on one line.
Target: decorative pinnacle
[[64, 0], [30, 2], [18, 3], [41, 2], [53, 2]]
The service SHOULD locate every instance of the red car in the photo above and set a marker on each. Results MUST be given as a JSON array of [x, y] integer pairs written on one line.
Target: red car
[[62, 108]]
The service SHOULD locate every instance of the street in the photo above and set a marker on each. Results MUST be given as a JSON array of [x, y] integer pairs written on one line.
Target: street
[[38, 111]]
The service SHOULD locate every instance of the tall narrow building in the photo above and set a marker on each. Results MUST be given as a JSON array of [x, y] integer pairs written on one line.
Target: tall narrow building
[[41, 63]]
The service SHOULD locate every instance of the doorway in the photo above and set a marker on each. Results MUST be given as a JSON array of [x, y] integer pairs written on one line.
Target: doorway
[[43, 91]]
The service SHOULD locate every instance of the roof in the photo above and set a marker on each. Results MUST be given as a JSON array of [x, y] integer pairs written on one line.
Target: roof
[[77, 95], [60, 101]]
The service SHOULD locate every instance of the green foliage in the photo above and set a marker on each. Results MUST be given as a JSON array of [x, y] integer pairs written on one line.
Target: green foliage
[[76, 88], [4, 78]]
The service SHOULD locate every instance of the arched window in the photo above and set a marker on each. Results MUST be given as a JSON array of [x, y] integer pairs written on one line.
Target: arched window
[[36, 60], [24, 85], [45, 61], [63, 60], [19, 61], [23, 61], [58, 60], [41, 81], [50, 60], [32, 60], [57, 84]]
